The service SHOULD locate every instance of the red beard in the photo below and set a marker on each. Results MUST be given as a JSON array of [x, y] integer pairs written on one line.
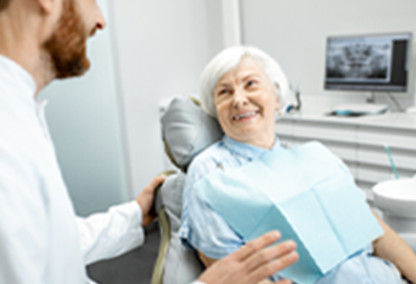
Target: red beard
[[68, 45]]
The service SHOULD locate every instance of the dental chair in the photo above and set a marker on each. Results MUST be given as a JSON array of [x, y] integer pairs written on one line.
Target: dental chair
[[186, 131]]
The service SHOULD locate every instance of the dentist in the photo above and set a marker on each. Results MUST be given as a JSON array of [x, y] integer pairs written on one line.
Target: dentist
[[41, 239]]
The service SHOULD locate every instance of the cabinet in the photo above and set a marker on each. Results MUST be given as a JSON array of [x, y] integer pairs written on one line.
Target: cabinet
[[359, 141]]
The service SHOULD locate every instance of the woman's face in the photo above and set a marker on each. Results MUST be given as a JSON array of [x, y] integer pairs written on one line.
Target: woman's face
[[246, 101]]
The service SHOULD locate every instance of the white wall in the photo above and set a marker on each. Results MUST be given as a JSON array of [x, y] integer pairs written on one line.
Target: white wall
[[162, 46], [106, 125], [84, 120], [294, 32]]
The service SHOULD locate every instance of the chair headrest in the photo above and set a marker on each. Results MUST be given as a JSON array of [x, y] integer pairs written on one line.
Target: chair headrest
[[187, 130]]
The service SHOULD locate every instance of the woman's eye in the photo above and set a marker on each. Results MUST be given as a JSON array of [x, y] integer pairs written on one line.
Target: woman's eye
[[222, 92], [251, 83]]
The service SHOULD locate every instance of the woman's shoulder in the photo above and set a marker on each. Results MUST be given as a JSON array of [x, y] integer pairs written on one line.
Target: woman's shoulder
[[204, 163], [208, 160]]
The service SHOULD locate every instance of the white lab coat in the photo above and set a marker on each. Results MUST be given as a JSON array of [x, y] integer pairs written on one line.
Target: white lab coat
[[41, 239]]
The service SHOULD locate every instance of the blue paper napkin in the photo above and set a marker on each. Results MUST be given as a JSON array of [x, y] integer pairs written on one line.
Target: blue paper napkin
[[303, 192]]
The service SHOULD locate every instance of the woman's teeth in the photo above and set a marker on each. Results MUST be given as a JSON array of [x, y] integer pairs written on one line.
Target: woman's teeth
[[244, 115]]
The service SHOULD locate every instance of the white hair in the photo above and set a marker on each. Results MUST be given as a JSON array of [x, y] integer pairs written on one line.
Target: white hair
[[227, 60]]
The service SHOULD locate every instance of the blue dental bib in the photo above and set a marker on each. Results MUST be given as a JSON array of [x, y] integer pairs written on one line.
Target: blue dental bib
[[304, 192]]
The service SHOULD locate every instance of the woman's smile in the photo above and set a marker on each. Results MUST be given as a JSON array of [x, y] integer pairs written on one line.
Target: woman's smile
[[245, 116]]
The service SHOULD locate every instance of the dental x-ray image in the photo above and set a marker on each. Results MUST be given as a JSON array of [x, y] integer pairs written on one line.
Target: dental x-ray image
[[377, 62], [359, 59]]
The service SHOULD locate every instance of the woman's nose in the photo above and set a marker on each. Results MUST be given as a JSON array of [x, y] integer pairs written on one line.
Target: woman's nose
[[240, 98]]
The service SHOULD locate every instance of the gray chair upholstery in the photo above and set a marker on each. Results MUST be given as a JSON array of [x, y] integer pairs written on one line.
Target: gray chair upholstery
[[186, 131], [176, 264]]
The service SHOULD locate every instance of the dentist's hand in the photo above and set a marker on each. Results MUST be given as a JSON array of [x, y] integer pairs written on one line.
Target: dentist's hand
[[253, 262], [146, 197]]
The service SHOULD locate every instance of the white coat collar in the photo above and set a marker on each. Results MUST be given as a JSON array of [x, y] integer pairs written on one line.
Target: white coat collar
[[14, 73], [16, 77]]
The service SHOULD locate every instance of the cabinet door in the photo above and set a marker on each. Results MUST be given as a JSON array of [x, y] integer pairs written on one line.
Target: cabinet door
[[374, 163], [338, 137]]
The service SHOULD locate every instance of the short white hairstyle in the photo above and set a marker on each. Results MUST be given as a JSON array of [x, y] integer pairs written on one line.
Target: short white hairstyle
[[227, 60]]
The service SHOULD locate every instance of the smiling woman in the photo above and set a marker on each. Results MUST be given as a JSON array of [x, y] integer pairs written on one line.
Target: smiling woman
[[245, 102], [228, 60], [248, 183], [244, 87]]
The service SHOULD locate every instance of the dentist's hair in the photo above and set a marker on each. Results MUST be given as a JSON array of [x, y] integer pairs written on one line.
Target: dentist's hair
[[4, 4], [228, 59]]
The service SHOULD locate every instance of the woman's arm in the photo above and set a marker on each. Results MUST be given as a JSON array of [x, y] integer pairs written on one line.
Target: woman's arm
[[393, 248], [207, 261]]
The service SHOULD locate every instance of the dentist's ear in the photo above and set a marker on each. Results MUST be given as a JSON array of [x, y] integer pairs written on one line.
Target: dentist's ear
[[48, 6], [50, 12]]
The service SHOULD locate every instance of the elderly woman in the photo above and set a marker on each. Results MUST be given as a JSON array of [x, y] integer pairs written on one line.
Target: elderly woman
[[244, 88]]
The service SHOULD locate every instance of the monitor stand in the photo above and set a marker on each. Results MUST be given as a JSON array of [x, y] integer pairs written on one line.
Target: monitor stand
[[358, 109]]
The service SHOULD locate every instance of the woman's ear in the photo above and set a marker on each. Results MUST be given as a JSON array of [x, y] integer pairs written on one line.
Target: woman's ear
[[278, 104]]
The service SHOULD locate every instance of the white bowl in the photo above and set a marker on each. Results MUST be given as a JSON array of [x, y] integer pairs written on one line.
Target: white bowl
[[396, 197]]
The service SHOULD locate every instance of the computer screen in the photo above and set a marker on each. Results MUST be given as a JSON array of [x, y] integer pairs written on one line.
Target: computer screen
[[368, 62]]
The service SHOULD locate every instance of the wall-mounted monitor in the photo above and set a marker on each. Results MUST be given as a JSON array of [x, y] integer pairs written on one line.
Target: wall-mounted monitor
[[368, 62]]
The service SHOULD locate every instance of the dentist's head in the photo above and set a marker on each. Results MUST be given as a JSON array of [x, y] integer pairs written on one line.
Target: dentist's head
[[48, 37], [67, 45], [244, 87]]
